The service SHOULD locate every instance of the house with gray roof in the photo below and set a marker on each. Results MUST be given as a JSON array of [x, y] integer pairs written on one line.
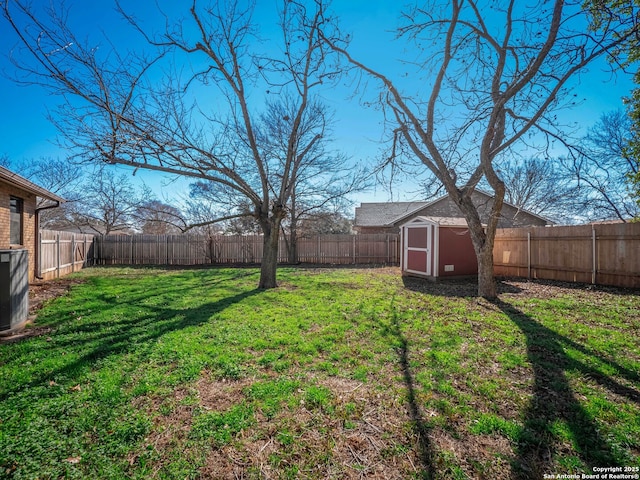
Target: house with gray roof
[[387, 217]]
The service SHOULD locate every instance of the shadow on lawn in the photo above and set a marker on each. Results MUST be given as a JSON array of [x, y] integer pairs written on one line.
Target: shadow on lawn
[[453, 287], [420, 427], [554, 400], [120, 336]]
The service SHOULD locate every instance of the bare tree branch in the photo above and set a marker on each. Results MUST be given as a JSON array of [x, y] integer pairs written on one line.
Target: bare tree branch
[[491, 72]]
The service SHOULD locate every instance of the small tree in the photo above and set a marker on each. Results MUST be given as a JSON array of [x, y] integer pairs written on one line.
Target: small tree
[[491, 75], [322, 178]]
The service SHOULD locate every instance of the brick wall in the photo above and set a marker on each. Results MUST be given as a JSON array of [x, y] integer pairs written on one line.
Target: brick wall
[[28, 222]]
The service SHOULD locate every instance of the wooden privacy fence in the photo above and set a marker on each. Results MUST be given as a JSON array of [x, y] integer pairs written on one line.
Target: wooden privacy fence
[[61, 253], [243, 249], [603, 254]]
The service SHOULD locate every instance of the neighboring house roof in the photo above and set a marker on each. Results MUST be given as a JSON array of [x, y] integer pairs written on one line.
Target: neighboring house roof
[[390, 214], [12, 178], [385, 214]]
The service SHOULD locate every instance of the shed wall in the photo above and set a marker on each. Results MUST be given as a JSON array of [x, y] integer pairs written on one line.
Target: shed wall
[[456, 248]]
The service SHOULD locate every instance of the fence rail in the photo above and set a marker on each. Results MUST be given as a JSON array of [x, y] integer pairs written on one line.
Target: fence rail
[[62, 253], [603, 254], [243, 249]]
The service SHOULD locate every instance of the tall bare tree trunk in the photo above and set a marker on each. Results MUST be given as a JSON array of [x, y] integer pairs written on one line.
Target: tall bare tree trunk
[[486, 280], [482, 236], [487, 287], [269, 265], [292, 249], [293, 246]]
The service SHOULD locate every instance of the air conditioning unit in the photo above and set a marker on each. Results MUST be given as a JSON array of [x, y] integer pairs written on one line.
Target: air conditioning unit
[[14, 288]]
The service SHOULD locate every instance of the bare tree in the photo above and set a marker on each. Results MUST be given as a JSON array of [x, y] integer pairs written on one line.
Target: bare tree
[[158, 218], [108, 205], [591, 183], [492, 73], [604, 12], [323, 178], [539, 185], [602, 168], [114, 113], [325, 222]]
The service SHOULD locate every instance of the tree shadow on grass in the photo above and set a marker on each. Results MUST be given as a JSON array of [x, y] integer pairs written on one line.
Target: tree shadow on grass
[[124, 335], [419, 425], [554, 402], [555, 414], [452, 287]]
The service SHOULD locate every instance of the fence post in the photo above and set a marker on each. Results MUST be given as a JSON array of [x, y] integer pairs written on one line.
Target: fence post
[[73, 252], [529, 254], [354, 249], [387, 249], [58, 255], [39, 266], [593, 258]]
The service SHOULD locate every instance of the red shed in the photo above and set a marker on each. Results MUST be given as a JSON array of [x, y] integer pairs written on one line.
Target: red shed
[[435, 247]]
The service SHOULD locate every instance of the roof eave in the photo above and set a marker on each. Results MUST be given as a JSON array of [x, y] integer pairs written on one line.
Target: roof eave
[[12, 178]]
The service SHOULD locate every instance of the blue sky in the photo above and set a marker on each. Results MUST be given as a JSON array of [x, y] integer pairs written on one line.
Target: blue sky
[[25, 132]]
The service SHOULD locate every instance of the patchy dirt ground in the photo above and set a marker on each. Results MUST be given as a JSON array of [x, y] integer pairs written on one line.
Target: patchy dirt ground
[[374, 447], [39, 293], [42, 291], [513, 287]]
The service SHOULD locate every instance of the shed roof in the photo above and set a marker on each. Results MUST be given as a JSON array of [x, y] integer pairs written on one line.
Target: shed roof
[[444, 221], [13, 178]]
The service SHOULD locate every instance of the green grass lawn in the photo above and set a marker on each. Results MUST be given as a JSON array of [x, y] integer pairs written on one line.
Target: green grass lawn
[[344, 373]]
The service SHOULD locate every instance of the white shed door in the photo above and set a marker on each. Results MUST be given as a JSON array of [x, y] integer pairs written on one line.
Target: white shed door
[[417, 249]]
